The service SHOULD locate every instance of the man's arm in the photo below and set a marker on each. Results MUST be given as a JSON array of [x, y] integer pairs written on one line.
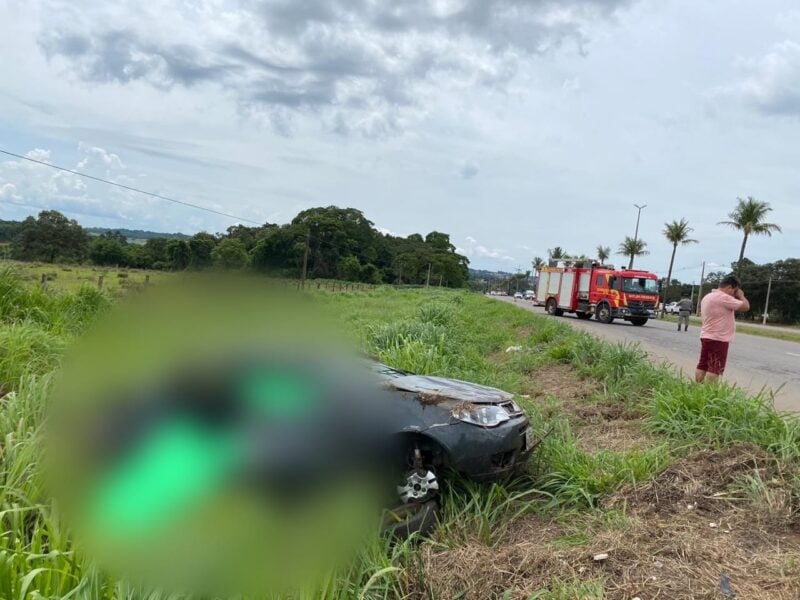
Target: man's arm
[[739, 295]]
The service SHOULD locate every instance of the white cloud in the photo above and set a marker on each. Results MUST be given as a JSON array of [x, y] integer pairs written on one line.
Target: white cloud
[[771, 82], [468, 169], [472, 249], [366, 66]]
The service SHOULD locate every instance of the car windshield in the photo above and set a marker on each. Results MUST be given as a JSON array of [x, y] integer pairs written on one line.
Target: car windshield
[[639, 285]]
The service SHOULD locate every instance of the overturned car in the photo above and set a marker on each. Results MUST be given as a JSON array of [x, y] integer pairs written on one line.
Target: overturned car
[[449, 425]]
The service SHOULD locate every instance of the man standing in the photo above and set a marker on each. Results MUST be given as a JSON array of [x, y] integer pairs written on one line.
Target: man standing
[[684, 310], [719, 327]]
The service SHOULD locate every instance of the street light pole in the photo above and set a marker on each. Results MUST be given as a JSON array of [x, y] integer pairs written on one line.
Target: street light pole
[[639, 214]]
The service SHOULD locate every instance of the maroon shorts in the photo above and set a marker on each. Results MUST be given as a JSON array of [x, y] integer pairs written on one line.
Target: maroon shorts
[[713, 356]]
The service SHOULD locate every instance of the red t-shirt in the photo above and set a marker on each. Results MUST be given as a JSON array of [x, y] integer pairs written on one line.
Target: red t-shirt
[[718, 310]]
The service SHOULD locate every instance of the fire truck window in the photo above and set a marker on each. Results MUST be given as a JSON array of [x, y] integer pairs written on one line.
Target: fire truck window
[[601, 281], [640, 285], [612, 282]]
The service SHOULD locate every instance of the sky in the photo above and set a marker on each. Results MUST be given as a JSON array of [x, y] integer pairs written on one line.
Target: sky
[[513, 125]]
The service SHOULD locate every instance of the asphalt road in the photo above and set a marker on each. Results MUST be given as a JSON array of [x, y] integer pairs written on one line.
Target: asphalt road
[[754, 362]]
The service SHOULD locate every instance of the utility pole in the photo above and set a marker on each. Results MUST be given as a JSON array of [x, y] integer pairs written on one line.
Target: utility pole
[[700, 289], [766, 304], [305, 261], [428, 279]]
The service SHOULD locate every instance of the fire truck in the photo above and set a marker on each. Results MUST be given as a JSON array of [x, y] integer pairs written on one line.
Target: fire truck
[[599, 290]]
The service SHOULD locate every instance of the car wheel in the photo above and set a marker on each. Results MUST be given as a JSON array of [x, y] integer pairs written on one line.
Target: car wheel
[[413, 517], [603, 313]]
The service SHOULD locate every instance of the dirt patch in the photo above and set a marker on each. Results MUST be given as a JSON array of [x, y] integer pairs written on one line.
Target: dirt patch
[[666, 552], [618, 436], [562, 382], [699, 481]]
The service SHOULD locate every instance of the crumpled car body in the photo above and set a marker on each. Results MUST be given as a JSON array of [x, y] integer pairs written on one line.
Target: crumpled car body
[[432, 408]]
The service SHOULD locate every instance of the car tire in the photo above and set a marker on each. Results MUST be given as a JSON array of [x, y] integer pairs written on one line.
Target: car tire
[[603, 313], [411, 518]]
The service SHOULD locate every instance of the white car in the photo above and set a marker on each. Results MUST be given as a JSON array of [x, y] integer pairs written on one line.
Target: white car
[[672, 308], [518, 295]]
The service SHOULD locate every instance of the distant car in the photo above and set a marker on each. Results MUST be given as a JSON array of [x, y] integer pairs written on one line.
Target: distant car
[[518, 295], [672, 308], [529, 294]]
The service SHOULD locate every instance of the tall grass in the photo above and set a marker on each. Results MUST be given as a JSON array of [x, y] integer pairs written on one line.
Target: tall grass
[[436, 332]]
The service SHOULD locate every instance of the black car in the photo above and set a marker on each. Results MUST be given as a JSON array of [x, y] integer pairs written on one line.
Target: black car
[[450, 425]]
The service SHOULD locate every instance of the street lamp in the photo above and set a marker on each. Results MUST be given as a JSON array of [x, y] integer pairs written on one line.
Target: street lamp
[[639, 214]]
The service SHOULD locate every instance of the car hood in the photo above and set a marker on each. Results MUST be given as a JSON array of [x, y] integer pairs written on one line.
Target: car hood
[[443, 388]]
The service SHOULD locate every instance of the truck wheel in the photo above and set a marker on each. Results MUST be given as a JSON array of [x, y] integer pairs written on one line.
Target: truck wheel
[[603, 313], [583, 315], [639, 321], [551, 307]]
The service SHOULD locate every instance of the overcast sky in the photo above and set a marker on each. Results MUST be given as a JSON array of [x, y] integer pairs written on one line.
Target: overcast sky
[[513, 125]]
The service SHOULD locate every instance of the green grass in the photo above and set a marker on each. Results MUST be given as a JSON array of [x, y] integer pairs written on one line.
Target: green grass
[[427, 331], [69, 278]]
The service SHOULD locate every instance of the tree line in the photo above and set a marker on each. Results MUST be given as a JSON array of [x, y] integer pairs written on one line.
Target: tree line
[[328, 242]]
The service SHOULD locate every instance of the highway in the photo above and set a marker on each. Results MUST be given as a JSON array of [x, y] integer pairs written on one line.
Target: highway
[[754, 362]]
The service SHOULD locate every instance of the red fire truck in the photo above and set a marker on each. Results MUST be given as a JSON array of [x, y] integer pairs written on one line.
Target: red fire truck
[[599, 290]]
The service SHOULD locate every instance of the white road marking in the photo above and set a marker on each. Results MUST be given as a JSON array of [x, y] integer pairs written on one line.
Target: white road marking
[[793, 354]]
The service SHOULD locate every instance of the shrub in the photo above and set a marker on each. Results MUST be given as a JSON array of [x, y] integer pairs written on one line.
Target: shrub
[[26, 349]]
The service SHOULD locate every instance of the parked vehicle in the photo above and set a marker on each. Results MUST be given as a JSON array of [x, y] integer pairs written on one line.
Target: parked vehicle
[[518, 295], [529, 294], [606, 293], [672, 308]]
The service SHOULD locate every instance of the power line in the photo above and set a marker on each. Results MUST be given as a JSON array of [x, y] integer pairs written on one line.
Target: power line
[[129, 188]]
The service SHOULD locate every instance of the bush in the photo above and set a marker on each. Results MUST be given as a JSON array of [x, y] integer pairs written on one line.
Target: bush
[[436, 313], [26, 349]]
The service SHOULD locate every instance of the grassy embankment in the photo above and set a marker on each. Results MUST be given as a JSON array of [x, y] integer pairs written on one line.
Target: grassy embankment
[[677, 483]]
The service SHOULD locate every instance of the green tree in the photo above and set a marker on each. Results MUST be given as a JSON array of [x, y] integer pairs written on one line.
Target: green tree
[[370, 274], [349, 268], [603, 253], [230, 253], [676, 233], [50, 236], [107, 251], [201, 245], [632, 248], [748, 217], [178, 254], [556, 253], [138, 257]]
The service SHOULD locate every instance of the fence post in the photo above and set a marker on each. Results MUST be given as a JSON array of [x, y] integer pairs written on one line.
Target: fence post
[[100, 282]]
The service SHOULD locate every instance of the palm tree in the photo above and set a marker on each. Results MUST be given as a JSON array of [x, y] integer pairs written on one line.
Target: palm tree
[[537, 262], [748, 217], [631, 247], [676, 232], [603, 252], [557, 252]]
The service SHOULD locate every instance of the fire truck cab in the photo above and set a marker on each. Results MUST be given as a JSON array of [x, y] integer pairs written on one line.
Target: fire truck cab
[[599, 290]]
